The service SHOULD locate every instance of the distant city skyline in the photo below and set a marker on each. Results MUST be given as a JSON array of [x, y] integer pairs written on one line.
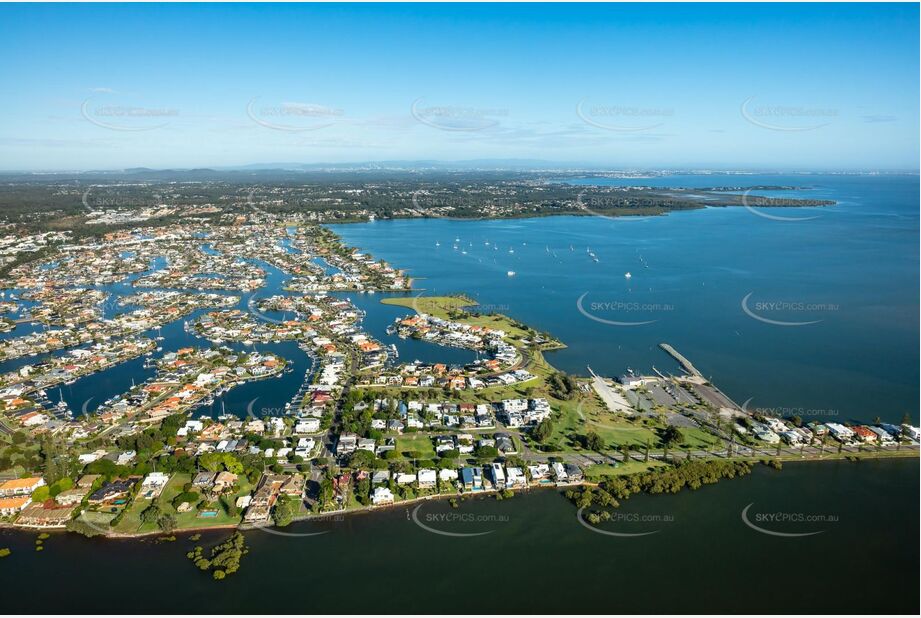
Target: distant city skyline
[[677, 86]]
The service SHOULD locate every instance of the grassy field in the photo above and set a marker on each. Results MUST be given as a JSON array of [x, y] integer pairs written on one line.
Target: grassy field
[[599, 472], [420, 443], [438, 306], [446, 307]]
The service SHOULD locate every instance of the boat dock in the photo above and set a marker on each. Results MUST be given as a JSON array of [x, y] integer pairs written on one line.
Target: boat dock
[[685, 363]]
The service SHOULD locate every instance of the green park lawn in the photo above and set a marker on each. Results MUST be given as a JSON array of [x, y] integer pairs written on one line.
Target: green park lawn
[[598, 472], [443, 306], [416, 442]]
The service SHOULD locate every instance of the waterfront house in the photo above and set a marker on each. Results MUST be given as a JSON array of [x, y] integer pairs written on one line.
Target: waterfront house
[[559, 472], [115, 490], [381, 496], [13, 505], [573, 473], [153, 484], [865, 434], [497, 475], [71, 497], [447, 475], [471, 478], [47, 515], [293, 485], [882, 436], [514, 477], [427, 478], [20, 487], [840, 432]]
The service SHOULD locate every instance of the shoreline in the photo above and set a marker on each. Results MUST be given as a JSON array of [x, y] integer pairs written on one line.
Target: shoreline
[[370, 509]]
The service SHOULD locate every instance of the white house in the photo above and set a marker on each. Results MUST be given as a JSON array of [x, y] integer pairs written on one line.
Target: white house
[[381, 495], [497, 475], [427, 477], [153, 484], [514, 477]]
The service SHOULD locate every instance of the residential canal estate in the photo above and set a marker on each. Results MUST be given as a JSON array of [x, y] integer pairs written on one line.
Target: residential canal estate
[[163, 386]]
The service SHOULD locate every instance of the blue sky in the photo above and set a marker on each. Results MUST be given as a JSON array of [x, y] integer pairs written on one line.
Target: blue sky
[[776, 86]]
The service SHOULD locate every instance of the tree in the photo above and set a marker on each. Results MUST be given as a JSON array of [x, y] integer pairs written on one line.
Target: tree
[[151, 514], [361, 459], [671, 436], [450, 454], [487, 452], [215, 462], [543, 430], [562, 386], [192, 497], [593, 441], [230, 505], [363, 491], [167, 522], [286, 509]]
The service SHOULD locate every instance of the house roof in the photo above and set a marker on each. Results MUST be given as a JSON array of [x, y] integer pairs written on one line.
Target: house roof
[[20, 483], [14, 503]]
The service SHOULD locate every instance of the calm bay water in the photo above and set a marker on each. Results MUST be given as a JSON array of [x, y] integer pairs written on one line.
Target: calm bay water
[[536, 559], [853, 270]]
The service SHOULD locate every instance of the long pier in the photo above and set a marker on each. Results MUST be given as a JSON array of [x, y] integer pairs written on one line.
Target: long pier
[[685, 363]]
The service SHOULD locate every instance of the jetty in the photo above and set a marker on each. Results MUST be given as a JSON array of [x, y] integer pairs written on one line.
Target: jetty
[[685, 363]]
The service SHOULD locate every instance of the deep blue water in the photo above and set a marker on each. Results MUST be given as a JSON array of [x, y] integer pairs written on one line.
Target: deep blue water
[[854, 268], [702, 559]]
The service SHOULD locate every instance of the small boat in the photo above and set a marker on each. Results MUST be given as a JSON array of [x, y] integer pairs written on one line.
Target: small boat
[[627, 275], [510, 273]]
